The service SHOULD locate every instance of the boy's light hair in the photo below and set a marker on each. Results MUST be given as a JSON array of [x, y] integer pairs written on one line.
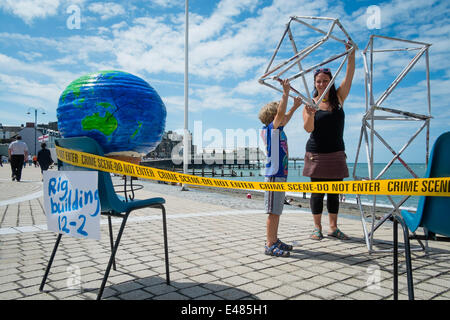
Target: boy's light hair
[[268, 112]]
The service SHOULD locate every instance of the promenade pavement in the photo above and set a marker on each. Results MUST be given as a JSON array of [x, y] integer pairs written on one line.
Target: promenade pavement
[[216, 244]]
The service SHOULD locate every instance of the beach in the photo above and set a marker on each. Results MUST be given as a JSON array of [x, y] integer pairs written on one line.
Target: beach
[[238, 198]]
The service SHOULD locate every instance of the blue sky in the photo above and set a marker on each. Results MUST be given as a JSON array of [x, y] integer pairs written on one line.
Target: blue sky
[[231, 43]]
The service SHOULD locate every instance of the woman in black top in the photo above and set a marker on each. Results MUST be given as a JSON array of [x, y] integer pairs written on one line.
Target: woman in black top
[[325, 158]]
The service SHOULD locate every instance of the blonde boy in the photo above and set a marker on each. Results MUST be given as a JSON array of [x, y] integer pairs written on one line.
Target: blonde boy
[[274, 117]]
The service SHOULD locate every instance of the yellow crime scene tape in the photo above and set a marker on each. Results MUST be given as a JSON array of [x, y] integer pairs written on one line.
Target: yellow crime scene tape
[[412, 187]]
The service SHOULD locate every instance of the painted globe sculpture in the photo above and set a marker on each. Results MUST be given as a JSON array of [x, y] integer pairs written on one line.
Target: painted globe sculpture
[[122, 112]]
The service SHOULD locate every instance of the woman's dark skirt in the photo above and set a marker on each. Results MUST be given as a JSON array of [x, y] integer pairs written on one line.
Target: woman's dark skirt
[[325, 165]]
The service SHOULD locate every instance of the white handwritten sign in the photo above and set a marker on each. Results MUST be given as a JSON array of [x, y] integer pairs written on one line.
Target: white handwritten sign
[[72, 204]]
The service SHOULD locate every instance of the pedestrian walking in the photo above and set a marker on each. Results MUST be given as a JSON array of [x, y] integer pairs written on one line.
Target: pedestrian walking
[[44, 158], [18, 152]]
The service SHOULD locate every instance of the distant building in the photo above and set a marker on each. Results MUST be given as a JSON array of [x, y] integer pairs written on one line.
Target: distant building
[[29, 136], [50, 133], [245, 155], [164, 149], [9, 134]]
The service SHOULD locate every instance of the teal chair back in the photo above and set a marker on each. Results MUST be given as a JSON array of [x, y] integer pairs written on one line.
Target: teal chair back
[[433, 213], [109, 200]]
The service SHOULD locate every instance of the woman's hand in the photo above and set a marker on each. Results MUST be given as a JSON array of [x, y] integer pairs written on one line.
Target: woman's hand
[[310, 110], [308, 118]]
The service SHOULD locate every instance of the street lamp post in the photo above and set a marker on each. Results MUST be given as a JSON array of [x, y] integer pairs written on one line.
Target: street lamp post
[[35, 127]]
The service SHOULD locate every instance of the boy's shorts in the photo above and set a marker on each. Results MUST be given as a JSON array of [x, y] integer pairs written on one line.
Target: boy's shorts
[[274, 200]]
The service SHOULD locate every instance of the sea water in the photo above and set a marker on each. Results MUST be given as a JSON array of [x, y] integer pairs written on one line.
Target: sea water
[[395, 171]]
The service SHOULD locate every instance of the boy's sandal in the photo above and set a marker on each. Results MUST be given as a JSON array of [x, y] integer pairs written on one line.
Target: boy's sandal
[[283, 246], [316, 234], [338, 234], [275, 251]]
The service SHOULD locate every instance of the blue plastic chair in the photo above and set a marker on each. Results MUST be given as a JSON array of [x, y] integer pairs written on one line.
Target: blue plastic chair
[[112, 205], [433, 213]]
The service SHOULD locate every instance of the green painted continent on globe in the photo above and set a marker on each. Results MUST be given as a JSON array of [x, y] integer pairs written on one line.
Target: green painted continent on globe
[[75, 86], [106, 125], [86, 80], [137, 129]]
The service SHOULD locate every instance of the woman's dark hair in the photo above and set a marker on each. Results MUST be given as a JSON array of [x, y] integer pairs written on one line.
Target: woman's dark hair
[[43, 145], [332, 94]]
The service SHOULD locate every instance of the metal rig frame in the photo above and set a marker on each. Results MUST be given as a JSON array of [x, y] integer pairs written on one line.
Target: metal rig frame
[[298, 56], [368, 132]]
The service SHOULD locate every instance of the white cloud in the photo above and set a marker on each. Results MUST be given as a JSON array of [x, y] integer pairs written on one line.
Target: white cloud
[[216, 97], [27, 41], [106, 10], [29, 56], [28, 10], [221, 20], [250, 87], [168, 3], [410, 12], [30, 93], [161, 48], [12, 66], [219, 46]]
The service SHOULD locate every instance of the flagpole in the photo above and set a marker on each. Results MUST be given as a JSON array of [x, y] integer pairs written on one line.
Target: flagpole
[[186, 139]]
